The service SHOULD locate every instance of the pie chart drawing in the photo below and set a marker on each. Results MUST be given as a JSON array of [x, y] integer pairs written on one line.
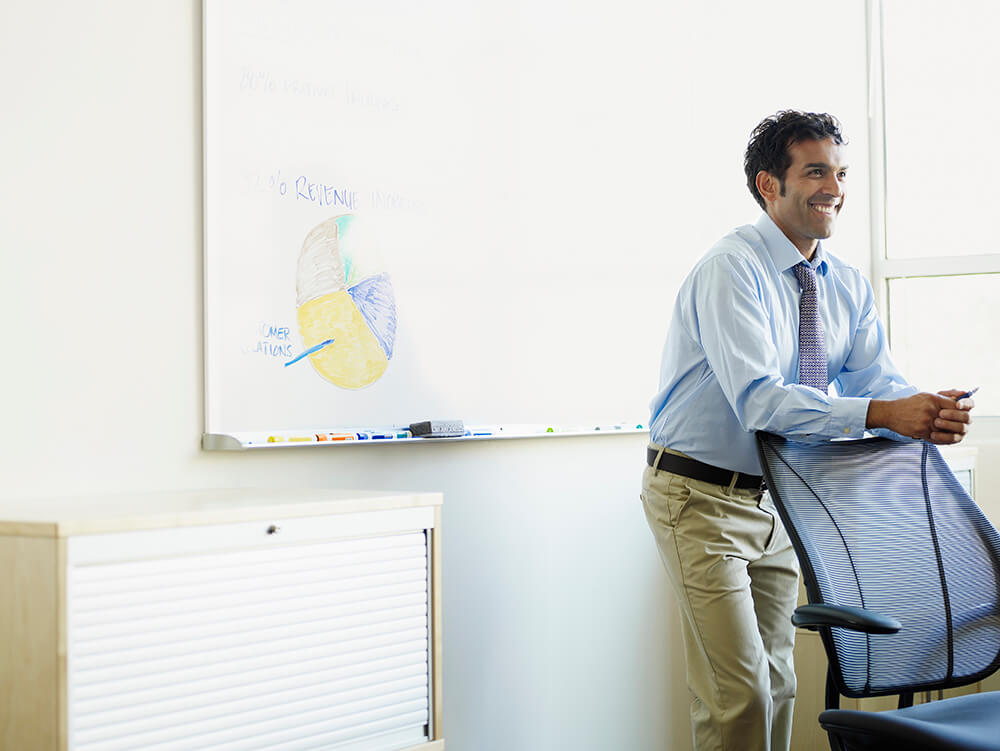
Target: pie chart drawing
[[343, 295]]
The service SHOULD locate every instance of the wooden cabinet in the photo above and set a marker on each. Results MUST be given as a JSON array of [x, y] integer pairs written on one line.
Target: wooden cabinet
[[229, 620]]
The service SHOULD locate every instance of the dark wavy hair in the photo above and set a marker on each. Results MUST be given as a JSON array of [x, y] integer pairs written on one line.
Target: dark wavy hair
[[769, 142]]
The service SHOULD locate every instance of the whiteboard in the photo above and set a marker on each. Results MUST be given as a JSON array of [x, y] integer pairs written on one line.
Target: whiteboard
[[438, 200]]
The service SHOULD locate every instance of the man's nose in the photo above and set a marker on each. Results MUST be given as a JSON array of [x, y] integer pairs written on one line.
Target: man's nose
[[834, 185]]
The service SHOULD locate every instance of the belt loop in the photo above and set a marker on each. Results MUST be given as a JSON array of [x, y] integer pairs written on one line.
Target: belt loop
[[732, 483], [656, 462]]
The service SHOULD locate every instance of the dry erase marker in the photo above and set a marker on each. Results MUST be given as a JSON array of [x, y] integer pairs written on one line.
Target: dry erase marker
[[391, 434], [309, 351], [967, 394]]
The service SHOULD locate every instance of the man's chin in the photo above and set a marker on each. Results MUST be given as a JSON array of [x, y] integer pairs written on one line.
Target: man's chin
[[825, 230]]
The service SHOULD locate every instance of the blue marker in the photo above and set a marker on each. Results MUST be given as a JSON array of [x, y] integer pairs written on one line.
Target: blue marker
[[309, 351], [967, 394]]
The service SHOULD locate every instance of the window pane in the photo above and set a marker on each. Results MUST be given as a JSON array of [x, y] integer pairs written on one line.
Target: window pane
[[946, 334], [942, 114]]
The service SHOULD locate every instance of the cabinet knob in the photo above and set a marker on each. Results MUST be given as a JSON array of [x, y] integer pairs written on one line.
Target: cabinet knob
[[273, 530]]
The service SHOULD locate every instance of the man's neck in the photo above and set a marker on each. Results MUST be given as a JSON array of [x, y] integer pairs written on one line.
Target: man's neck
[[806, 245]]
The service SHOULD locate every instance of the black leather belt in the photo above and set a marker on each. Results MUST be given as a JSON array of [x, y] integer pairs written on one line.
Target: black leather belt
[[696, 470]]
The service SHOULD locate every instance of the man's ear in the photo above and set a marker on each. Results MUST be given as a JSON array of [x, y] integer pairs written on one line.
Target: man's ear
[[768, 186]]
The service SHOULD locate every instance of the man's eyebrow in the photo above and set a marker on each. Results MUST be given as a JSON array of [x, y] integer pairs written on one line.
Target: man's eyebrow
[[822, 165]]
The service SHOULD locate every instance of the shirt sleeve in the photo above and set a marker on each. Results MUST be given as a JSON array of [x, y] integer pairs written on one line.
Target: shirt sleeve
[[732, 323], [869, 370]]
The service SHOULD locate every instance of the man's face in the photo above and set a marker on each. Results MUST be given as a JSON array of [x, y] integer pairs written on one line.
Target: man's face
[[806, 205]]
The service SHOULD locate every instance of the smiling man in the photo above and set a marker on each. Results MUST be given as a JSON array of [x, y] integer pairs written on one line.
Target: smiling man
[[763, 326]]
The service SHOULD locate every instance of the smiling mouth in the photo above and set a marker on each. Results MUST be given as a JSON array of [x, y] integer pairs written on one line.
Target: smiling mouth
[[827, 209]]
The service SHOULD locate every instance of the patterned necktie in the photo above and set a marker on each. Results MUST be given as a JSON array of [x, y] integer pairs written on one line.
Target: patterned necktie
[[812, 341]]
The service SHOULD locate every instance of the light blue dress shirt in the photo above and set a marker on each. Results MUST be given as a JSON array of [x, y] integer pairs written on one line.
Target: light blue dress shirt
[[730, 363]]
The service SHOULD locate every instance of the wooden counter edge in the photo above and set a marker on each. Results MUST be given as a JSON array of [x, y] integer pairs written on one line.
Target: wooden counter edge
[[233, 510]]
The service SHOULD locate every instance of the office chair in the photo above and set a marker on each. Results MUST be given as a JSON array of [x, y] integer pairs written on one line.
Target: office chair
[[902, 573]]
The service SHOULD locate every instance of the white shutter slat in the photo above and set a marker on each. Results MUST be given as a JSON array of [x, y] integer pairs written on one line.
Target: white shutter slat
[[299, 651], [280, 584], [201, 650], [304, 644], [335, 558], [241, 695], [221, 634], [260, 735], [117, 686], [392, 740], [333, 733], [285, 710], [169, 615], [340, 589], [358, 549]]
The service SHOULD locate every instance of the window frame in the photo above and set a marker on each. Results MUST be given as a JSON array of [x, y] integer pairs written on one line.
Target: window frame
[[883, 268]]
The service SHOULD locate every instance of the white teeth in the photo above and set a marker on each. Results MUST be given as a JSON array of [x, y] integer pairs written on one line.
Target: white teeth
[[823, 208]]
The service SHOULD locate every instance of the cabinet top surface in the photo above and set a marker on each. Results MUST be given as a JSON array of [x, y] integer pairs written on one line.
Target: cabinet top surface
[[59, 517]]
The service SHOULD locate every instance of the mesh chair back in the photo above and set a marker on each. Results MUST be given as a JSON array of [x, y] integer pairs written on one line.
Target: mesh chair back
[[885, 525]]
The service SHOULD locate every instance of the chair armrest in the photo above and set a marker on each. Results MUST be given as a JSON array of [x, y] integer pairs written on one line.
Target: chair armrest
[[842, 616]]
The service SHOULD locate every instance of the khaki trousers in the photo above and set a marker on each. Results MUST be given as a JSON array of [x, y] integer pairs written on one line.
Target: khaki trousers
[[732, 567]]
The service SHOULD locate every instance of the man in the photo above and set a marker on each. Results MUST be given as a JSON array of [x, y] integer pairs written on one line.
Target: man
[[733, 364]]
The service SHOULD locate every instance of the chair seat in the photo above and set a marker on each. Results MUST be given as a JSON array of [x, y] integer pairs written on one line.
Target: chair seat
[[961, 723]]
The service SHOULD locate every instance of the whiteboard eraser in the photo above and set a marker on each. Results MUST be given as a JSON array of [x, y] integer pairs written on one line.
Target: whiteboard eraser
[[437, 429]]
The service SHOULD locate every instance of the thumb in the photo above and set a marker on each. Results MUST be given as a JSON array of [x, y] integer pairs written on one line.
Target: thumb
[[951, 393]]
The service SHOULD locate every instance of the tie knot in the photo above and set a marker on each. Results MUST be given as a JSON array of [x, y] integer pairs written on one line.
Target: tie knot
[[806, 276]]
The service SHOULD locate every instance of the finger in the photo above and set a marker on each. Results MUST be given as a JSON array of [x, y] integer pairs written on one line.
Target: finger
[[948, 426], [951, 393], [966, 404], [955, 415], [946, 438], [942, 401]]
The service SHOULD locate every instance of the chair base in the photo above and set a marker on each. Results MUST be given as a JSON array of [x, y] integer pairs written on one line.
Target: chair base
[[962, 723]]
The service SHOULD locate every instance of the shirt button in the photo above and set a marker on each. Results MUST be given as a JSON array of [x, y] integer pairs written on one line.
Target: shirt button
[[847, 431]]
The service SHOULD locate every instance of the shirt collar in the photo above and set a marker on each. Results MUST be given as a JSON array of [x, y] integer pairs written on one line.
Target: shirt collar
[[784, 254]]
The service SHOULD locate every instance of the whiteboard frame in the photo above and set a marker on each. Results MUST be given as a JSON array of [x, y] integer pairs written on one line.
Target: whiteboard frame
[[296, 439], [210, 9]]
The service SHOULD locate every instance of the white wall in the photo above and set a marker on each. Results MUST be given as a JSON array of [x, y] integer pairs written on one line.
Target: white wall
[[558, 627]]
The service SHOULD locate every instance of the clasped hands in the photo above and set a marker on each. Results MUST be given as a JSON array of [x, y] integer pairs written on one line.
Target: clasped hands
[[940, 418]]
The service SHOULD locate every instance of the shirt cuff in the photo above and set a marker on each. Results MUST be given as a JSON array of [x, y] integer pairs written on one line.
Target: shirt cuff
[[848, 415]]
